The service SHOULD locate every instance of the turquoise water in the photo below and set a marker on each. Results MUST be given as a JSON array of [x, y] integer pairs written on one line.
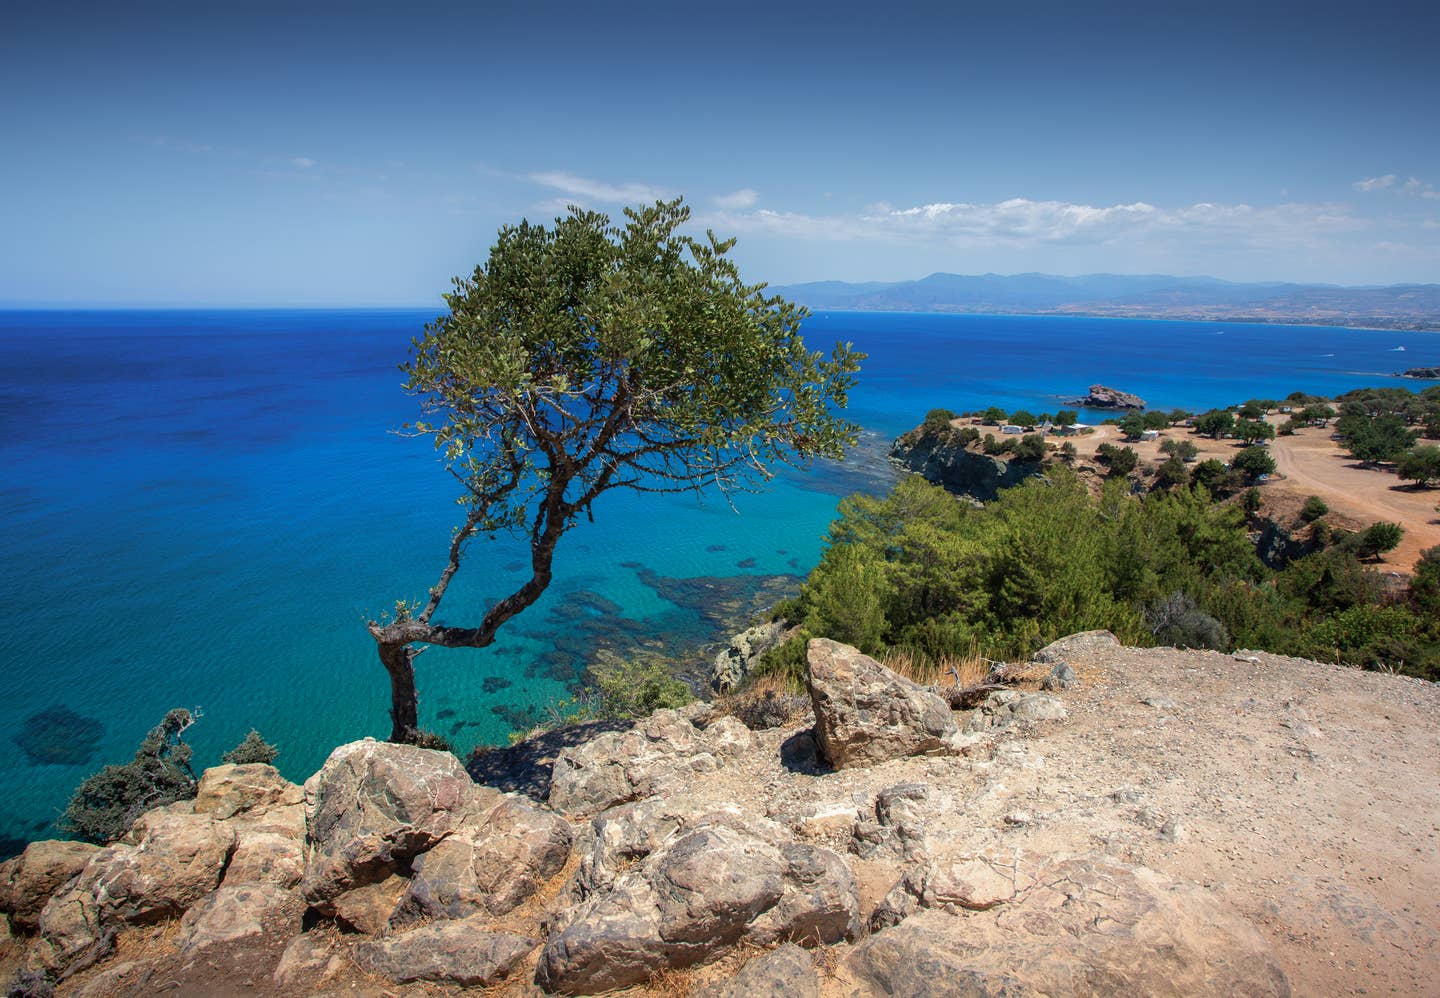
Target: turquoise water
[[201, 509]]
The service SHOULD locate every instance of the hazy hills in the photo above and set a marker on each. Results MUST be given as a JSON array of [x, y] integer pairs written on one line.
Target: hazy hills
[[1156, 296]]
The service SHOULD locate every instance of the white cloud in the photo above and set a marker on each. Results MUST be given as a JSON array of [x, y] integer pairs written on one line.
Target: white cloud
[[584, 188], [1022, 223], [743, 198], [1375, 183], [304, 162]]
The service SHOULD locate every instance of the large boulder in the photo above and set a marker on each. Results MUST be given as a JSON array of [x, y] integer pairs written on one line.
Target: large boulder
[[266, 858], [30, 879], [734, 663], [866, 714], [491, 864], [663, 750], [232, 914], [1085, 644], [225, 791], [1077, 926], [178, 859], [373, 807], [720, 882], [461, 952]]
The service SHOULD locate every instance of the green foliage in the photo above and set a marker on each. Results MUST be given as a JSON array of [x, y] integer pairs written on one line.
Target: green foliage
[[1212, 475], [1185, 450], [967, 435], [432, 740], [637, 688], [1067, 452], [1250, 501], [1120, 460], [1022, 418], [1375, 540], [1067, 417], [938, 420], [1179, 621], [1253, 462], [1425, 586], [1030, 448], [1315, 507], [1133, 425], [1382, 437], [1420, 465], [992, 445], [1171, 474], [106, 803], [252, 748], [1253, 430], [993, 416], [1215, 424], [1156, 420]]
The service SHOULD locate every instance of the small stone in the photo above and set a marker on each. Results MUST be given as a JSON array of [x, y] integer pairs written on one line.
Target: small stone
[[1018, 818], [1159, 703], [1172, 830], [1062, 677]]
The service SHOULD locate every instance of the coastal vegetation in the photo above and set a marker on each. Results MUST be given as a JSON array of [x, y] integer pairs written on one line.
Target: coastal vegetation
[[587, 357]]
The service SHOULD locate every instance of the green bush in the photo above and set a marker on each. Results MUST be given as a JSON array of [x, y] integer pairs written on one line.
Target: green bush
[[938, 420], [108, 802], [636, 687], [1030, 448], [1315, 507], [252, 748], [1179, 622], [1120, 460], [1253, 462]]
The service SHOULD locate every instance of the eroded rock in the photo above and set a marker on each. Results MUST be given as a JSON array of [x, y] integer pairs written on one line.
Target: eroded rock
[[30, 879], [784, 972], [1083, 644], [1007, 708], [232, 914], [622, 766], [733, 664], [460, 952], [225, 791], [866, 714]]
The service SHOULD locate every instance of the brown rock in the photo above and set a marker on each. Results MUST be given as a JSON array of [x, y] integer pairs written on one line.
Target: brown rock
[[225, 791], [866, 714], [784, 972], [370, 907], [461, 952], [30, 879], [232, 914]]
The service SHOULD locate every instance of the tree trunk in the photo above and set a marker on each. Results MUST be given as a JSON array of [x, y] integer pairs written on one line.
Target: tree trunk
[[399, 660]]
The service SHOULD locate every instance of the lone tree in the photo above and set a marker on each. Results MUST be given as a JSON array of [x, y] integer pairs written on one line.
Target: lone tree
[[587, 357]]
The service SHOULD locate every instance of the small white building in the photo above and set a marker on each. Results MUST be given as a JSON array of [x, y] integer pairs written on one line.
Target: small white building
[[1150, 435], [1012, 429]]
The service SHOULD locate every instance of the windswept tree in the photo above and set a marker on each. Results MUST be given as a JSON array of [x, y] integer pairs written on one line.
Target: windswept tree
[[587, 357]]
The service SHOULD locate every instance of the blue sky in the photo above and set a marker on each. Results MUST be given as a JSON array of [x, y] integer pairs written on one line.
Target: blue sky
[[345, 153]]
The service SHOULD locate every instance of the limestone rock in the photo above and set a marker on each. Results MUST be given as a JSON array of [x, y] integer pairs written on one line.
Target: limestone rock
[[308, 960], [30, 879], [491, 864], [866, 714], [745, 650], [975, 883], [1081, 926], [1007, 708], [784, 972], [722, 881], [373, 807], [1081, 645], [460, 952], [235, 913], [178, 860], [621, 766], [225, 791], [266, 858]]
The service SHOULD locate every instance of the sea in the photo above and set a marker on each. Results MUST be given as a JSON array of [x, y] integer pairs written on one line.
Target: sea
[[202, 509]]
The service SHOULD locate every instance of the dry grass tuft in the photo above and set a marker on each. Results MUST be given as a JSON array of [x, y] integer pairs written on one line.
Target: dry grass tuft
[[969, 669]]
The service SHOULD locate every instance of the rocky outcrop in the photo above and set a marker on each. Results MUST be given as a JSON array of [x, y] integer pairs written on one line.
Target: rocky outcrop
[[28, 880], [734, 663], [233, 914], [784, 972], [1101, 397], [462, 952], [1078, 645], [941, 459], [1423, 373], [664, 749], [1078, 926], [723, 881], [865, 714]]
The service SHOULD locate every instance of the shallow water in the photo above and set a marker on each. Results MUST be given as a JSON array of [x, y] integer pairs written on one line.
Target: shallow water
[[201, 509]]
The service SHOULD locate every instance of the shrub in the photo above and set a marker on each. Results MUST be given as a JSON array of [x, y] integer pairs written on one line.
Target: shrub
[[1315, 507], [993, 416], [1133, 426], [106, 803], [1067, 451], [637, 688], [1420, 465], [1030, 448], [1250, 501], [1022, 418], [967, 435], [1171, 474], [991, 445], [938, 420], [1120, 460], [1178, 621], [431, 740], [1374, 540], [1185, 450], [1254, 462], [252, 748]]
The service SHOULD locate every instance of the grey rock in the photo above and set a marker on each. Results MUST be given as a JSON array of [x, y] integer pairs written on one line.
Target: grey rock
[[733, 664], [1076, 646], [308, 960], [1078, 926], [30, 879], [616, 839], [373, 807], [179, 858], [902, 813], [866, 714], [459, 952], [1159, 703], [969, 882], [942, 460], [1062, 677], [621, 766], [785, 972], [491, 864], [235, 913], [722, 881], [1007, 708]]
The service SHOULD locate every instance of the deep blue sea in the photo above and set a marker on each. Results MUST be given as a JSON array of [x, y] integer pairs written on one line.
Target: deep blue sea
[[202, 508]]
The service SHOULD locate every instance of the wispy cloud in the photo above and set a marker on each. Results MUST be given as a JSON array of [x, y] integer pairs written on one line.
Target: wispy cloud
[[1021, 223], [586, 189], [1413, 186], [745, 197], [304, 162]]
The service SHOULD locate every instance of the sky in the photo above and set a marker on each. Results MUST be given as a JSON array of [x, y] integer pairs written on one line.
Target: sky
[[364, 154]]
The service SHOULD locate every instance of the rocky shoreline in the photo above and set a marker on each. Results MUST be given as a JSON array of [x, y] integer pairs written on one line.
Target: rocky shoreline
[[880, 843], [1101, 397]]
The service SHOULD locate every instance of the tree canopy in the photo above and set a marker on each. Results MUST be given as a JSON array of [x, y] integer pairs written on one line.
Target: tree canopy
[[584, 357]]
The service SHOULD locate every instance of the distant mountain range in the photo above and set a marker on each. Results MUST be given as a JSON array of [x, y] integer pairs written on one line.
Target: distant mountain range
[[1147, 296]]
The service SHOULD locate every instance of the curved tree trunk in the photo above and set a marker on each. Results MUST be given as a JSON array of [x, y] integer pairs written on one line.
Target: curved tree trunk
[[399, 662]]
